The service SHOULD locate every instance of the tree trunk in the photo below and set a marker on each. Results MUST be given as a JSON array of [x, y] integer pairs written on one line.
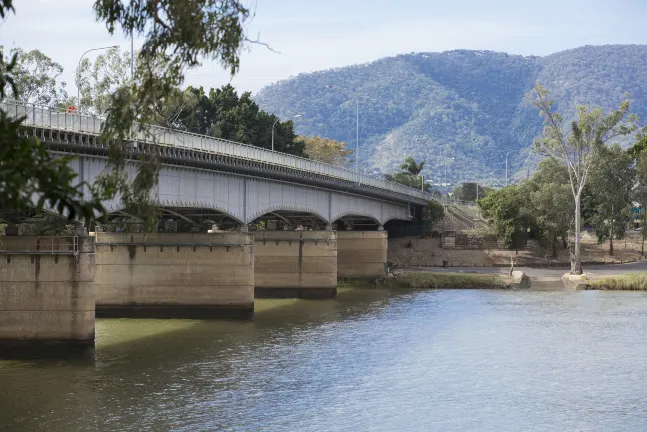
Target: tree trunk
[[642, 247], [565, 240], [554, 248], [576, 262], [611, 234]]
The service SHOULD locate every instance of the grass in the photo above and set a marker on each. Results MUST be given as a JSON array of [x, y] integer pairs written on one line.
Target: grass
[[446, 281], [354, 282], [628, 282]]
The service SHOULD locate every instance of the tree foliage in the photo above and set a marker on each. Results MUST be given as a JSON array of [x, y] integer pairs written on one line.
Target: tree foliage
[[453, 103], [222, 113], [507, 210], [579, 146], [467, 191], [640, 193], [409, 176], [26, 168], [541, 207], [550, 204], [326, 150], [435, 211], [36, 76], [412, 167], [612, 180], [97, 80], [177, 35]]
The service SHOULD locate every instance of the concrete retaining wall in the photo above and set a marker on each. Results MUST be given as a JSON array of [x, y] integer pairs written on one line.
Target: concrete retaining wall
[[362, 254], [175, 275], [46, 296], [295, 264]]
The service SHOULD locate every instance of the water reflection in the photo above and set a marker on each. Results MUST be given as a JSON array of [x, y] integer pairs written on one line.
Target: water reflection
[[368, 360]]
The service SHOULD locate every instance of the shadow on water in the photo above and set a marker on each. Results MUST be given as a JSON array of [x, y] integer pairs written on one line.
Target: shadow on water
[[133, 359]]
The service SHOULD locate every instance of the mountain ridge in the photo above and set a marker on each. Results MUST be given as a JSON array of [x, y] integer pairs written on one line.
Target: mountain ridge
[[463, 104]]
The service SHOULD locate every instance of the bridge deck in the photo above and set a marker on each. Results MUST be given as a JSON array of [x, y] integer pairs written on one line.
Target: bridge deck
[[174, 140]]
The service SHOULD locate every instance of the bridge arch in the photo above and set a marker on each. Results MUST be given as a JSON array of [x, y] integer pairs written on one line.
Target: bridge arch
[[188, 215], [303, 209]]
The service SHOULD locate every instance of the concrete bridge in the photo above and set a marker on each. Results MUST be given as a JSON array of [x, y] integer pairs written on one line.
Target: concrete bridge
[[204, 181]]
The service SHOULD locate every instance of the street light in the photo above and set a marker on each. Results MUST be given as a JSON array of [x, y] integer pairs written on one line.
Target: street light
[[446, 173], [356, 133], [274, 124], [78, 72], [506, 167]]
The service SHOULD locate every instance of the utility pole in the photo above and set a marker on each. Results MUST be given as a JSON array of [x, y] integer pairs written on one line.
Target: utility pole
[[132, 78], [357, 139], [506, 168]]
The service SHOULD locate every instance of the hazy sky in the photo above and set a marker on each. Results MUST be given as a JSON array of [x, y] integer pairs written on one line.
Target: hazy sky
[[312, 35]]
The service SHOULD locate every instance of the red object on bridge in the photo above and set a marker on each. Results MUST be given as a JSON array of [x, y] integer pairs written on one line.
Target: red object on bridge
[[71, 109]]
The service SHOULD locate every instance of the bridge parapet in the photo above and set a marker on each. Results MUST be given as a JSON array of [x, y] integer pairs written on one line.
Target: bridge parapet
[[47, 118]]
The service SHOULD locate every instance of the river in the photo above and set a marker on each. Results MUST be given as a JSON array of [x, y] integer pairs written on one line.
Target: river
[[373, 360]]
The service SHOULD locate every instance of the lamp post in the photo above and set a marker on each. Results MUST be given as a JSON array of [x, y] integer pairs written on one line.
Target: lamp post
[[446, 174], [506, 167], [274, 124], [78, 72], [356, 132]]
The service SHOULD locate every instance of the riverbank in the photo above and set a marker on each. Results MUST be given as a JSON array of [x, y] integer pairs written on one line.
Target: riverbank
[[411, 251], [627, 282], [447, 280]]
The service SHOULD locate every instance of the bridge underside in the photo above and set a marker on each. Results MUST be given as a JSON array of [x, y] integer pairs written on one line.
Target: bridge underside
[[188, 219], [195, 198]]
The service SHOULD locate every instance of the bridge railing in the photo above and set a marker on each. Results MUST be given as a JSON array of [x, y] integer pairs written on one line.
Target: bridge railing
[[81, 123]]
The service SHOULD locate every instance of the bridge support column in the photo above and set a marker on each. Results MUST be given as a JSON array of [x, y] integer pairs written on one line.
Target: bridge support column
[[362, 254], [47, 296], [175, 275], [295, 264]]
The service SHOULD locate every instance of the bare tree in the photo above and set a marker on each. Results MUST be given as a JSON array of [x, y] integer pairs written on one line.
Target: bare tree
[[578, 146]]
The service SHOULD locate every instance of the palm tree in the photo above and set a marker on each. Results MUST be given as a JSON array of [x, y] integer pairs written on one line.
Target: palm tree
[[412, 167]]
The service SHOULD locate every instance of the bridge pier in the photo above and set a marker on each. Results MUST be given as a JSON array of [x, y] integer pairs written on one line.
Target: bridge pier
[[295, 264], [47, 296], [175, 275], [362, 254]]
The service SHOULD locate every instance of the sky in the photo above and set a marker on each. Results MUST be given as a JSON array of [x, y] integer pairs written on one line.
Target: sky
[[310, 35]]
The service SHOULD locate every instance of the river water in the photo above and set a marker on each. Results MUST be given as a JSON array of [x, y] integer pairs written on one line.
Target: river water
[[373, 360]]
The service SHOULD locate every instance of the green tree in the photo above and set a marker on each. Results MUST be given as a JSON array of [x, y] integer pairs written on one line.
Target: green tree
[[551, 207], [550, 204], [98, 80], [223, 114], [578, 147], [506, 210], [173, 107], [612, 179], [326, 150], [216, 33], [36, 77], [435, 211], [468, 191], [640, 193], [408, 179], [412, 167]]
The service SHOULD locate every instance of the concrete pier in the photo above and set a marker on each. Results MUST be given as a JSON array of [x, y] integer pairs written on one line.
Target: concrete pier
[[362, 254], [295, 264], [46, 295], [175, 275]]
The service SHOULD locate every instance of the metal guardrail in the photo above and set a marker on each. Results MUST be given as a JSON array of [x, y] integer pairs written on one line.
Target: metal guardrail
[[39, 245], [45, 117]]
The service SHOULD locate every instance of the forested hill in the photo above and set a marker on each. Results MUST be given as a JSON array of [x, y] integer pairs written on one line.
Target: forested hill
[[464, 104]]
